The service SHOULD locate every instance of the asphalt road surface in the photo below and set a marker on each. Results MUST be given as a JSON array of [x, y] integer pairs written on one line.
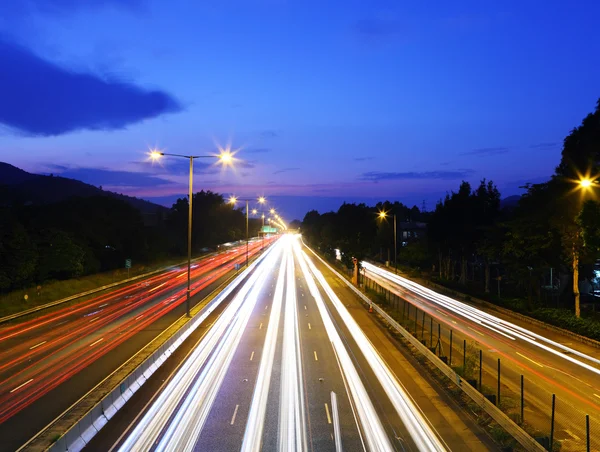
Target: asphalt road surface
[[49, 362], [287, 365]]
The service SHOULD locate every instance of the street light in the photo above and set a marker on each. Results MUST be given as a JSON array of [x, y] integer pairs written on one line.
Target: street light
[[225, 158], [233, 200], [383, 216]]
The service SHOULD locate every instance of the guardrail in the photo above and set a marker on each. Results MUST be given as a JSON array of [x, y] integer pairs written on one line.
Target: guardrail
[[511, 427], [94, 413], [16, 315]]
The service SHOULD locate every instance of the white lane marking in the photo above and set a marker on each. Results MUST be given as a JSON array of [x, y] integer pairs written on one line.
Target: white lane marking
[[266, 307], [139, 317], [234, 414], [19, 387], [102, 305], [99, 340], [328, 416], [305, 307], [529, 359], [309, 326], [316, 359], [183, 274], [251, 356], [37, 345], [597, 395], [94, 319], [478, 332], [454, 321], [260, 326]]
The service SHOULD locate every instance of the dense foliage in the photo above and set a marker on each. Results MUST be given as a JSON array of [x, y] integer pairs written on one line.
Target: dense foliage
[[81, 236], [473, 241]]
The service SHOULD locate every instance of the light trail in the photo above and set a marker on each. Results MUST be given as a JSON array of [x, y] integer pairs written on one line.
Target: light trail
[[174, 421], [256, 416], [488, 321], [415, 422]]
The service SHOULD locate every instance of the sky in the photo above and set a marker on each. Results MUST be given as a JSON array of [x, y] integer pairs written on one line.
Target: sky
[[323, 102]]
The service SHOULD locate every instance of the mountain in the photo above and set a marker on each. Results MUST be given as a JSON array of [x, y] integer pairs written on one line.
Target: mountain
[[20, 187], [510, 202]]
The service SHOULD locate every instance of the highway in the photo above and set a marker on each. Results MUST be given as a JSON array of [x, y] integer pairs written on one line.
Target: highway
[[550, 362], [288, 366], [48, 362]]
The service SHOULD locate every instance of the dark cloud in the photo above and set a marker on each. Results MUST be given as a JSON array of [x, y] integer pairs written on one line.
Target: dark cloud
[[544, 146], [42, 98], [378, 27], [363, 159], [102, 176], [285, 170], [487, 151], [269, 134], [377, 176], [257, 150]]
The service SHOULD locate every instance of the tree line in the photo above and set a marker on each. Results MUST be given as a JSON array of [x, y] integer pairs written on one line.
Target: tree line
[[535, 249], [81, 236]]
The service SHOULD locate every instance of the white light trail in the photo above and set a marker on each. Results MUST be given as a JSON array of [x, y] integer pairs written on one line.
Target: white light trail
[[173, 420], [486, 320], [415, 422], [256, 416]]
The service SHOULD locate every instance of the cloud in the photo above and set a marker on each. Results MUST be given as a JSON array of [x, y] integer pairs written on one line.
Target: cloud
[[269, 134], [41, 98], [377, 176], [107, 177], [378, 27], [285, 170], [544, 146], [257, 151], [363, 159], [487, 151]]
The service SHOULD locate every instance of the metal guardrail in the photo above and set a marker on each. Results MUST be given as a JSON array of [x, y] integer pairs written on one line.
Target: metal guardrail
[[511, 427], [16, 315]]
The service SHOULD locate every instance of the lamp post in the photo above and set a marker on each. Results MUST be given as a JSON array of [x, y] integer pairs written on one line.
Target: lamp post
[[584, 185], [226, 158], [383, 215], [261, 200]]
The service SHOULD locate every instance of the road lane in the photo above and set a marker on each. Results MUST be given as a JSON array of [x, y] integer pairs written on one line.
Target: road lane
[[551, 364], [271, 387]]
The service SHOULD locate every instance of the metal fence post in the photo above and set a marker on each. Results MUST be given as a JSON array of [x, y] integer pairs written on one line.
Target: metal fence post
[[587, 431], [431, 331], [498, 382], [464, 357], [480, 366], [439, 341], [450, 357], [423, 326], [552, 422], [522, 400]]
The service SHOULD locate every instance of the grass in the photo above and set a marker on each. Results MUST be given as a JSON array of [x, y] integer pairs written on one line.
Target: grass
[[22, 299]]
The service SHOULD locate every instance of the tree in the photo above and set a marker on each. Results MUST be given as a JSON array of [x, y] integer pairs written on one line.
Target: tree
[[18, 253]]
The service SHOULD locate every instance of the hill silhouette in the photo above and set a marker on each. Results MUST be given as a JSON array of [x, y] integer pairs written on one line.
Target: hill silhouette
[[18, 187]]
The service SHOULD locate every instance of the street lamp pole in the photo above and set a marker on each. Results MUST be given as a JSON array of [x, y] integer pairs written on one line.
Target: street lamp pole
[[247, 214], [233, 200], [395, 248], [225, 158]]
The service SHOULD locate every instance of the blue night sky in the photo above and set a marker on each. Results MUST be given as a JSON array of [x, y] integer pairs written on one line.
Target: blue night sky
[[327, 101]]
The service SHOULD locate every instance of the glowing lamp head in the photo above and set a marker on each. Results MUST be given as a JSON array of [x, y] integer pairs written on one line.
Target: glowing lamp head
[[254, 211], [585, 183], [155, 155], [226, 158], [232, 200], [262, 200], [382, 214], [272, 211]]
